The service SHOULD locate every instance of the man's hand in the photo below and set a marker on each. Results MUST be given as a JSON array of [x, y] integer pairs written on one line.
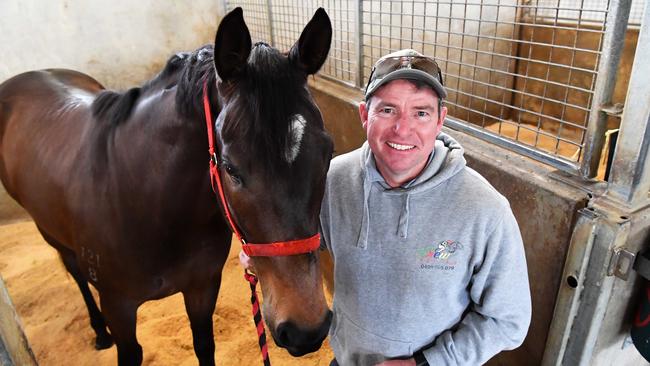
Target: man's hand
[[245, 261], [407, 362]]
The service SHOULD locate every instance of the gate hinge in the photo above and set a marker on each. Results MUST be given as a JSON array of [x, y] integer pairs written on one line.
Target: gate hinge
[[621, 263]]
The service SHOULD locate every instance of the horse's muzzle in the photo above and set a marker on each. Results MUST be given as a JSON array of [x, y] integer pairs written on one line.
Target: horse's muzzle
[[299, 342]]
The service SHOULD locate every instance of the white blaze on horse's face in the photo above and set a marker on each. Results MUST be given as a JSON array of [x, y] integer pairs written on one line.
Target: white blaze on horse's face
[[298, 124]]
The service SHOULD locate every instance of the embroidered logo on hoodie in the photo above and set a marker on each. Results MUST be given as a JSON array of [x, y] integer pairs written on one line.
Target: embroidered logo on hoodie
[[440, 256]]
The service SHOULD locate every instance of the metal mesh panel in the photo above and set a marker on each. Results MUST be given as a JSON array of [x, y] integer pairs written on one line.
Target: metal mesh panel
[[587, 11], [507, 69], [257, 18], [290, 17], [523, 70]]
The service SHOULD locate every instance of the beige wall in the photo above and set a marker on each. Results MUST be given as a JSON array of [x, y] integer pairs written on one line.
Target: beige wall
[[120, 43]]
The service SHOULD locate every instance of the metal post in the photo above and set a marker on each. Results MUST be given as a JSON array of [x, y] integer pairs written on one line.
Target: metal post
[[358, 14], [630, 175], [270, 19], [569, 295], [11, 332], [613, 42]]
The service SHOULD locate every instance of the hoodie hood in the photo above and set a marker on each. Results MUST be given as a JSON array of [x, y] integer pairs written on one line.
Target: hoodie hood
[[446, 161]]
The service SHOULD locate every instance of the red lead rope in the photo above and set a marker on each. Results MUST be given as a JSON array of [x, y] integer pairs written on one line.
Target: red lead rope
[[281, 248], [257, 318]]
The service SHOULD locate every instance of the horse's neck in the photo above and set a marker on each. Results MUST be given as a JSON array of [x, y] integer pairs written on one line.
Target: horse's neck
[[156, 145]]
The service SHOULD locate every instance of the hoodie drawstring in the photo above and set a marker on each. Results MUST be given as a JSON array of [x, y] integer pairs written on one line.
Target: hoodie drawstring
[[403, 226], [365, 221]]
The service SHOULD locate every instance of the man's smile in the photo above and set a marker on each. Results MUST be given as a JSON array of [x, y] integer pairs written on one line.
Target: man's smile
[[400, 147]]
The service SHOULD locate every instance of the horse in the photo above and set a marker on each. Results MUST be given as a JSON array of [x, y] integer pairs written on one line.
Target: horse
[[119, 184]]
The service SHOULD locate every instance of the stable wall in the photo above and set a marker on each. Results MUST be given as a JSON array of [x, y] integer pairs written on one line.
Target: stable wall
[[120, 43]]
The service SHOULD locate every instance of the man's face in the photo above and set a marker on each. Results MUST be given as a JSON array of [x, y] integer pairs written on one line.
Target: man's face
[[402, 124]]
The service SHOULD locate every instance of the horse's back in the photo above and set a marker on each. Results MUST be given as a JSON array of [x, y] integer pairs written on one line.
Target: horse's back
[[44, 116]]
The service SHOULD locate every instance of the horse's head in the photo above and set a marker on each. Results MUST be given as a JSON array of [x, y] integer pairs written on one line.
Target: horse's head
[[273, 158]]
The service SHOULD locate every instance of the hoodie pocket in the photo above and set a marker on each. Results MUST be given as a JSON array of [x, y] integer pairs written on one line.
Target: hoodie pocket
[[357, 346]]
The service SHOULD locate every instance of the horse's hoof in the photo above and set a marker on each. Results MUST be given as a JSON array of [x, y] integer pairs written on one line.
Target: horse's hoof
[[103, 342]]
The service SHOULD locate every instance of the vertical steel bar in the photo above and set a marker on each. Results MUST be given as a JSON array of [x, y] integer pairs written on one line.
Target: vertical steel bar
[[270, 20], [358, 17], [613, 42], [630, 176]]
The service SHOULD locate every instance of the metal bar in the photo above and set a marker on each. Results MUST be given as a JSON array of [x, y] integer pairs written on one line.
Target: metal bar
[[552, 160], [462, 34], [515, 91], [613, 42], [270, 20], [11, 331], [576, 88], [520, 109], [630, 176], [547, 63], [520, 6], [569, 295], [586, 30], [611, 232], [358, 18]]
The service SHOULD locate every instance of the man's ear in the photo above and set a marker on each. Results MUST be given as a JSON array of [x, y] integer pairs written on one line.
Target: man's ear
[[441, 120], [363, 114]]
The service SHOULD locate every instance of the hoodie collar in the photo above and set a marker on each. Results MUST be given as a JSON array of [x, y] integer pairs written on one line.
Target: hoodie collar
[[444, 162], [442, 165]]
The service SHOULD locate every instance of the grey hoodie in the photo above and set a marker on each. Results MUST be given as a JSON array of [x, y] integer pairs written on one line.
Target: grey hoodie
[[437, 265]]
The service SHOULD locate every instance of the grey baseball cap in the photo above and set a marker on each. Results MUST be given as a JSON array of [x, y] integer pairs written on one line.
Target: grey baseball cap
[[406, 64]]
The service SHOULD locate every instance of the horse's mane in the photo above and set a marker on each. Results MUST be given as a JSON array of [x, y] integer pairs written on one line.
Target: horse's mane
[[116, 107], [264, 98], [113, 106]]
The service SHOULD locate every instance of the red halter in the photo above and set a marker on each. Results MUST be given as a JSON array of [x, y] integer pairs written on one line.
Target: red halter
[[280, 248]]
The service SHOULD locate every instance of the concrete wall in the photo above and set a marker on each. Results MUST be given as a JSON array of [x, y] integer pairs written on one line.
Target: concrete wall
[[120, 43], [545, 207]]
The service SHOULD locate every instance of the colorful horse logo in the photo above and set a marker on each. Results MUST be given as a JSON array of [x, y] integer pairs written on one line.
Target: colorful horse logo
[[442, 252]]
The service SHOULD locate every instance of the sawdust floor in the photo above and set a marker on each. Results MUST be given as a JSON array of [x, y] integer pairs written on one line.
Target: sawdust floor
[[55, 319]]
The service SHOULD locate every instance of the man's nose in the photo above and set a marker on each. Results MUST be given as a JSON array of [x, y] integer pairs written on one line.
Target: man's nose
[[402, 125]]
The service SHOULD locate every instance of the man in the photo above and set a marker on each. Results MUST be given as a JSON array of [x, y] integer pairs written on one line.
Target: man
[[428, 258], [429, 266]]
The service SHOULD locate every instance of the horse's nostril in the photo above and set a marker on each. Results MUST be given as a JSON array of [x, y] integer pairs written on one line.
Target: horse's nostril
[[286, 332]]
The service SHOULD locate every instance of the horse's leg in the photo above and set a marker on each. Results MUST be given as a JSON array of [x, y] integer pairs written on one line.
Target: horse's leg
[[121, 317], [200, 303], [103, 339]]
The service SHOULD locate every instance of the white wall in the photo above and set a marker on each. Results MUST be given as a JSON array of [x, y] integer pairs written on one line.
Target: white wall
[[120, 42]]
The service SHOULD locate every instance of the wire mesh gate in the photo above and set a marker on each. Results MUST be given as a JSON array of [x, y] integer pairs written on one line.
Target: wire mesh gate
[[536, 76]]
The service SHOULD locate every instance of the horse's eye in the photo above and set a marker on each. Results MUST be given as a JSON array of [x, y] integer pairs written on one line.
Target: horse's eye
[[232, 172]]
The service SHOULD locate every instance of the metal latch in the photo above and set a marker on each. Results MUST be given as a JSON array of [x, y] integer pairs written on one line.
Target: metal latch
[[622, 263], [614, 110]]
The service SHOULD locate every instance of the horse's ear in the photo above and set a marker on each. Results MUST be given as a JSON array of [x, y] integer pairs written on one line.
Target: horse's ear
[[232, 45], [311, 50]]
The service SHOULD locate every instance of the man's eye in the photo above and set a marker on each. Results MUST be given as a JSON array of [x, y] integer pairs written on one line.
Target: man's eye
[[387, 110], [422, 114]]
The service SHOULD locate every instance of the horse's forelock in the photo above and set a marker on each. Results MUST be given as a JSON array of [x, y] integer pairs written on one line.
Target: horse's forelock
[[262, 112], [262, 102]]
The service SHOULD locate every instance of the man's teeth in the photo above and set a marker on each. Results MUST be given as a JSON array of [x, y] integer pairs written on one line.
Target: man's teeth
[[400, 147]]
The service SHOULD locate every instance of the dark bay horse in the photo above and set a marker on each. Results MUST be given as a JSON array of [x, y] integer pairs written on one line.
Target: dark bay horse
[[118, 183]]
